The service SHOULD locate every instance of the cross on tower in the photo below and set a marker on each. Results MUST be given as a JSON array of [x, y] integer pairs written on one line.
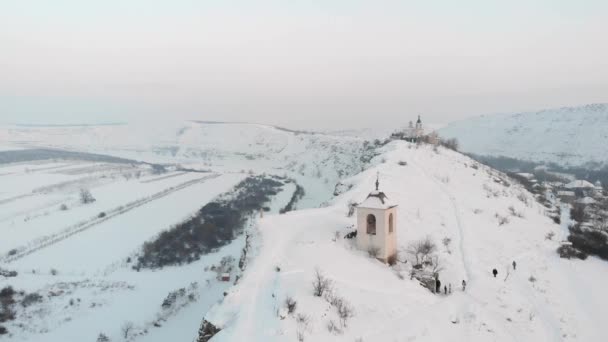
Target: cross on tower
[[377, 180]]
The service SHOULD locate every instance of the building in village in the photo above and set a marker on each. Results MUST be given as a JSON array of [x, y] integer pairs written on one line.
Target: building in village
[[377, 226]]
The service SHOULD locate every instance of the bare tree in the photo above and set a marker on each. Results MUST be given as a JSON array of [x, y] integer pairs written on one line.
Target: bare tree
[[126, 329], [421, 250], [86, 197]]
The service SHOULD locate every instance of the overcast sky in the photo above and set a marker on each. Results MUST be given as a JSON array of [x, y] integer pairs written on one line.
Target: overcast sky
[[301, 64]]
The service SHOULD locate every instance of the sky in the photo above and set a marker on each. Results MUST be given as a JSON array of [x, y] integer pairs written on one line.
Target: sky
[[311, 64]]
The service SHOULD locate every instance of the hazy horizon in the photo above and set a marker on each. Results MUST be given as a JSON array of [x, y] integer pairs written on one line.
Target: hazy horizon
[[302, 64]]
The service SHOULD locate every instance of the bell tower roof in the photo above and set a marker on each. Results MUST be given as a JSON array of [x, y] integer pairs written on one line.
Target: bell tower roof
[[377, 199]]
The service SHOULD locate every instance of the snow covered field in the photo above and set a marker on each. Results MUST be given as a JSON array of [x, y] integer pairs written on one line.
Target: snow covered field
[[77, 257]]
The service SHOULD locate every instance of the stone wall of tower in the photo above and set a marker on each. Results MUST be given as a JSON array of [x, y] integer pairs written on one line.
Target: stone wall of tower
[[384, 241]]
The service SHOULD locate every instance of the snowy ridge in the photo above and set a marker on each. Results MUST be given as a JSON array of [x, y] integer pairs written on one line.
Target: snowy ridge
[[440, 195], [567, 136]]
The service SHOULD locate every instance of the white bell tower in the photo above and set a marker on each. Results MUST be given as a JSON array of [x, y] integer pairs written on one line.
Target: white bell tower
[[377, 226]]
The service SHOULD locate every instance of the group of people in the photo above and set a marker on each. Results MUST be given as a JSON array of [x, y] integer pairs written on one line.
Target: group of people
[[448, 289]]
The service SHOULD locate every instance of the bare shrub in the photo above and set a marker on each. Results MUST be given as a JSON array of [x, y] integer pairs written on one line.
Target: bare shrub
[[127, 329], [421, 250], [351, 208], [515, 213], [54, 272], [333, 328], [63, 207], [549, 236], [303, 325], [86, 197], [502, 220], [291, 304], [446, 243], [532, 279], [103, 338], [402, 163], [345, 311], [320, 283], [436, 265]]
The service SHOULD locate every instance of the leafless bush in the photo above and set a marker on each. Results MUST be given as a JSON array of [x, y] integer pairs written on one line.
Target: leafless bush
[[103, 338], [402, 163], [522, 197], [532, 279], [421, 250], [477, 211], [333, 328], [291, 304], [515, 213], [351, 208], [86, 197], [320, 283], [549, 236], [63, 207], [436, 265], [345, 312], [54, 272], [502, 220], [303, 325], [127, 329], [446, 242]]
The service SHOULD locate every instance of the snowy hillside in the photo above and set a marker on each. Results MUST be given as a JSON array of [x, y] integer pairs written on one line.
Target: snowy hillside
[[75, 262], [317, 161], [440, 195], [569, 136]]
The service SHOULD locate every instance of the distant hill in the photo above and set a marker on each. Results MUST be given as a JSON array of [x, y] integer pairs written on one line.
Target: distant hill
[[568, 136]]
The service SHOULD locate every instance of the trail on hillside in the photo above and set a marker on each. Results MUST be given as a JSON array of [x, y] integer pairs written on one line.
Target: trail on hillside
[[456, 211]]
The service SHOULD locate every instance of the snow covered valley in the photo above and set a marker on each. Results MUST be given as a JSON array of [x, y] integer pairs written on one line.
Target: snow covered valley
[[79, 257]]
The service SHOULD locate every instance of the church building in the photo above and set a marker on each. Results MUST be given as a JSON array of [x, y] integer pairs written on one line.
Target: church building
[[377, 226], [412, 133]]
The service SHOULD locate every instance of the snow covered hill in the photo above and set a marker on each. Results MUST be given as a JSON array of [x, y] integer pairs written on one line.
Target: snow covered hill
[[317, 161], [77, 257], [569, 136], [441, 195]]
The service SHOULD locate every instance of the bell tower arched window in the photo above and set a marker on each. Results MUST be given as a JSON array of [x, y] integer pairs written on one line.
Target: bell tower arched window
[[390, 223], [371, 224]]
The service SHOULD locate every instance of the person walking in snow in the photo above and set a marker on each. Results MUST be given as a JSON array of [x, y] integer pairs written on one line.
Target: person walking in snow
[[437, 286], [464, 285], [495, 272], [514, 265], [445, 290]]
